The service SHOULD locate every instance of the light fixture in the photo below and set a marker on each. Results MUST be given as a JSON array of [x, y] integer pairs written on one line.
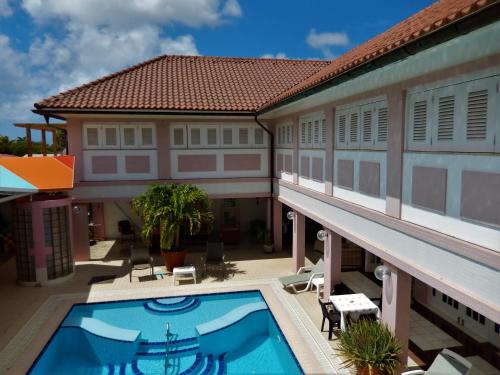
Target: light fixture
[[290, 215], [76, 209], [322, 234], [382, 272]]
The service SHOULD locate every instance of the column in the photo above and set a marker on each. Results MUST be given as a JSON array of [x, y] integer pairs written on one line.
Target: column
[[299, 241], [269, 213], [330, 126], [333, 261], [396, 298], [278, 225], [295, 155], [80, 227], [395, 143]]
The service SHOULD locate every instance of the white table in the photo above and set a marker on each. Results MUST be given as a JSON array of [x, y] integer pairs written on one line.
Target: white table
[[185, 271], [353, 303], [318, 282]]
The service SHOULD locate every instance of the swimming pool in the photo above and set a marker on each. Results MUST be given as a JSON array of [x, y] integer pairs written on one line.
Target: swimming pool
[[225, 333]]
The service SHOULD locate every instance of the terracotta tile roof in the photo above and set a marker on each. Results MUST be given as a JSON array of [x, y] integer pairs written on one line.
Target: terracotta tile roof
[[189, 83], [424, 22]]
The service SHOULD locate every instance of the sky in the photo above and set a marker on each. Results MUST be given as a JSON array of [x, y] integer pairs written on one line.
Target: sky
[[47, 46]]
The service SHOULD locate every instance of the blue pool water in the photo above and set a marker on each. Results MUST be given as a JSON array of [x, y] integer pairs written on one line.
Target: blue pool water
[[227, 333]]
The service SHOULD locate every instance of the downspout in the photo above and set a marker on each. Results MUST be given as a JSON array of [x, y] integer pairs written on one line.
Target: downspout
[[271, 167]]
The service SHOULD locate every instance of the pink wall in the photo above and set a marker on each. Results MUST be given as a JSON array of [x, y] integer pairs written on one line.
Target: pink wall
[[197, 163], [243, 162], [104, 164], [163, 144], [81, 250], [137, 164]]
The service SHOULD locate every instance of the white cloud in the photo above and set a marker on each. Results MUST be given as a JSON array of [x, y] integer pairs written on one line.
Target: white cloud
[[232, 8], [122, 14], [325, 41], [5, 9], [279, 55], [182, 45]]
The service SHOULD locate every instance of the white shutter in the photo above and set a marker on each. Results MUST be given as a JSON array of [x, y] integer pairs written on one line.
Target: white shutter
[[316, 133], [323, 132], [382, 124], [258, 135], [303, 133], [445, 118], [111, 138], [419, 121], [243, 137], [367, 124], [178, 136], [354, 128], [340, 128], [92, 136], [194, 136], [309, 134], [227, 136], [147, 138]]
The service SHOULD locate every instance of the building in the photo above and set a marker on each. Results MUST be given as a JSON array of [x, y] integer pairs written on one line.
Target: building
[[393, 146]]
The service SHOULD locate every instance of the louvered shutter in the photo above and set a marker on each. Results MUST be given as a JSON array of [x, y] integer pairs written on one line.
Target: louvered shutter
[[382, 124], [227, 136], [323, 132], [212, 137], [258, 137], [419, 126], [194, 137], [309, 134], [303, 133], [367, 124], [316, 133], [243, 136], [340, 128], [353, 133], [477, 115]]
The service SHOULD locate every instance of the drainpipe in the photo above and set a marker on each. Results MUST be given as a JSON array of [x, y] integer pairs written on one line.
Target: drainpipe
[[271, 167]]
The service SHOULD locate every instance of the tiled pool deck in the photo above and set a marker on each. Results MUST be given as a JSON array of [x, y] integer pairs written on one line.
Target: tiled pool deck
[[30, 315]]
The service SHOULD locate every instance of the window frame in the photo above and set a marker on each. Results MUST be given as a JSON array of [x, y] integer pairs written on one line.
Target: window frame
[[173, 128]]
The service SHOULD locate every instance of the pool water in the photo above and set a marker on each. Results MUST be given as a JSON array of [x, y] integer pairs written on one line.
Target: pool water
[[227, 333]]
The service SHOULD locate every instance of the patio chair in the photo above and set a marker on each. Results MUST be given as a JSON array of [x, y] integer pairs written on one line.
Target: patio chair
[[215, 257], [125, 229], [330, 314], [140, 260], [304, 275], [446, 362]]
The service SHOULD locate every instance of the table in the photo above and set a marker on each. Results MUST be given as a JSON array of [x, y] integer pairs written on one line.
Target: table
[[318, 282], [353, 303], [185, 271]]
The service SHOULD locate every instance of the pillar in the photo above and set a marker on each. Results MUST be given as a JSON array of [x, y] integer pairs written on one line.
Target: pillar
[[277, 225], [394, 155], [81, 249], [333, 262], [396, 298], [299, 241], [269, 213]]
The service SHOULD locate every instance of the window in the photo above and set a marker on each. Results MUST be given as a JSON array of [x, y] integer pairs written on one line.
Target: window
[[497, 328], [110, 139], [114, 136], [243, 136], [362, 126], [91, 136], [460, 116], [227, 136], [178, 136], [147, 136], [284, 135], [312, 131], [212, 139], [258, 136], [194, 137], [129, 139]]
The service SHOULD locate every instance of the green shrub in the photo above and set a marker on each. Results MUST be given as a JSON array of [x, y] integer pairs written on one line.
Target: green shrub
[[370, 345]]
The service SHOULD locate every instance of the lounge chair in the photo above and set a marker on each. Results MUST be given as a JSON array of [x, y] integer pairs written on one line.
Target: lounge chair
[[215, 256], [304, 275], [140, 260], [446, 362]]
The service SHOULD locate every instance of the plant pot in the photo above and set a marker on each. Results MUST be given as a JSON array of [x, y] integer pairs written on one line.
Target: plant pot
[[268, 249], [368, 371], [174, 259]]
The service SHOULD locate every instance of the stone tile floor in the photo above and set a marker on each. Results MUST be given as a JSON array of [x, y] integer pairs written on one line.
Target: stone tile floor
[[247, 264]]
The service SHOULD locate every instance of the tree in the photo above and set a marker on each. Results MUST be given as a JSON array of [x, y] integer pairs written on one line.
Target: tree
[[169, 208]]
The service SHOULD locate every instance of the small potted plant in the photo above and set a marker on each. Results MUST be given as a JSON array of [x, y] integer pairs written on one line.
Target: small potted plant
[[370, 347], [170, 208]]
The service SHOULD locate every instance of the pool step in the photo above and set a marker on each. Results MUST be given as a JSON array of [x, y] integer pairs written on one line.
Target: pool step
[[159, 351], [179, 342], [183, 307]]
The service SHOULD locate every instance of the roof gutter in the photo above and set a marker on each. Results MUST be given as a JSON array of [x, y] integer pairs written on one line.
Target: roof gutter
[[271, 167], [480, 18]]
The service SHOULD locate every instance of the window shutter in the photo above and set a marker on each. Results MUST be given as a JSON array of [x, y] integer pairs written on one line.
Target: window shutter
[[353, 129], [147, 138], [289, 135], [323, 132], [316, 132], [477, 114], [420, 121], [178, 137], [383, 124], [212, 136], [309, 133], [227, 136], [341, 128], [303, 131], [367, 125], [445, 120], [243, 136], [92, 136], [195, 137], [258, 136]]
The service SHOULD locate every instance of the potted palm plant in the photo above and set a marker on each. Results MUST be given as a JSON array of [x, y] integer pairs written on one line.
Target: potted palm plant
[[370, 347], [171, 208]]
